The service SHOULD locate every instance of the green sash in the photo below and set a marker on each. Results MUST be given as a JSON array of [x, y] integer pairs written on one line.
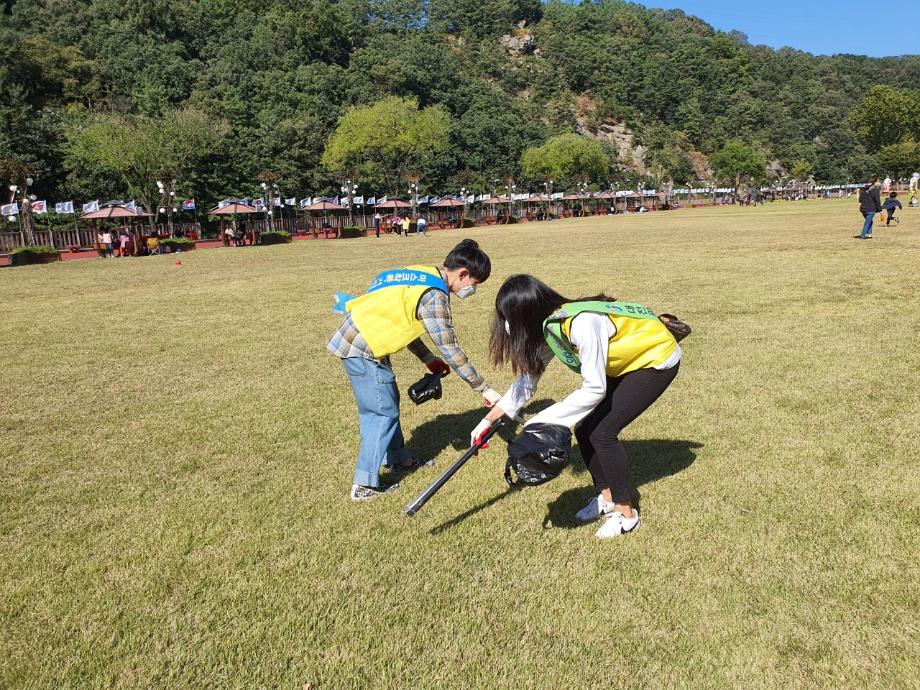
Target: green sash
[[560, 345]]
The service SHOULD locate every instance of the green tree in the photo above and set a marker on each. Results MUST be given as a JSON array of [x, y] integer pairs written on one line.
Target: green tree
[[136, 151], [736, 161], [887, 115], [801, 169], [565, 159], [387, 142], [900, 159]]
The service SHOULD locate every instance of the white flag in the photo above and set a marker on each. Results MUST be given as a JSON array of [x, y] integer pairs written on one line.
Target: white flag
[[290, 202], [358, 200], [305, 202], [9, 210], [91, 206], [278, 201], [64, 207]]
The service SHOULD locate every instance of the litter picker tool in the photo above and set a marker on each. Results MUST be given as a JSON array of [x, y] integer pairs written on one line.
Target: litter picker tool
[[423, 498]]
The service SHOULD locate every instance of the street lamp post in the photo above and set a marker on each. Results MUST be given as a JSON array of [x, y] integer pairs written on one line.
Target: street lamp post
[[25, 210], [413, 191], [272, 192], [510, 190], [548, 188], [464, 192], [349, 189], [167, 203]]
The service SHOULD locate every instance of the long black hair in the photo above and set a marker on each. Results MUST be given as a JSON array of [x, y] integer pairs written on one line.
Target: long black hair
[[468, 255], [525, 302]]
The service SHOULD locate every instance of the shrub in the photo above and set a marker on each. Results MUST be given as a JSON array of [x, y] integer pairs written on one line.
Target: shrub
[[275, 237], [39, 254], [37, 249], [354, 231], [469, 222]]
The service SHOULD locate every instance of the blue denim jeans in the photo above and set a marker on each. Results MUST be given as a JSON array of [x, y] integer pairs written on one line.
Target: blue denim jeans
[[867, 226], [374, 386]]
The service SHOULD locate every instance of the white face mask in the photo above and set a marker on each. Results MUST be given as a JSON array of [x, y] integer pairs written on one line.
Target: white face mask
[[507, 327], [467, 291]]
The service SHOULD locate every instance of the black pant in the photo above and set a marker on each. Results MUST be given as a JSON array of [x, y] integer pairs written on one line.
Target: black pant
[[627, 397]]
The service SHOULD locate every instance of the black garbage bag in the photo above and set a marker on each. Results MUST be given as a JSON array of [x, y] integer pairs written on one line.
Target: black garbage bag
[[538, 454]]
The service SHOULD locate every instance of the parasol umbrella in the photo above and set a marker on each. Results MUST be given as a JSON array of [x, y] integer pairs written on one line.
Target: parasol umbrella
[[394, 204], [326, 207], [448, 204], [114, 212], [495, 201], [233, 209], [117, 211]]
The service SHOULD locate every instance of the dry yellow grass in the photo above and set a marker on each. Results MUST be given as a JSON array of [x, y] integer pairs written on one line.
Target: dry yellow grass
[[178, 447]]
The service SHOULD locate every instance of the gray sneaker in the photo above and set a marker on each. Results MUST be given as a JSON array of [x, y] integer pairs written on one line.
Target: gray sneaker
[[367, 493]]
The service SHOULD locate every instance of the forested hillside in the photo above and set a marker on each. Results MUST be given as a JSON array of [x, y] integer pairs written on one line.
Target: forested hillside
[[659, 89]]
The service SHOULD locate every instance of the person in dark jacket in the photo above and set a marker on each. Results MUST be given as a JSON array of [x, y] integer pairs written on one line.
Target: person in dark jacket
[[891, 204], [869, 205]]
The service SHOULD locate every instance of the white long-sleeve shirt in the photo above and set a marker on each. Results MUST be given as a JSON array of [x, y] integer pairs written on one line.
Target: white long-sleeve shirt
[[590, 333]]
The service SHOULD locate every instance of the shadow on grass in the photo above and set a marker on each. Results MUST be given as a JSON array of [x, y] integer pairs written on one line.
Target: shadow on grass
[[445, 431], [453, 522], [453, 431], [649, 460]]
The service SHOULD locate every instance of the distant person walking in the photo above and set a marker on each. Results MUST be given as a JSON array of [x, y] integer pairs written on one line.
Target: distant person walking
[[421, 227], [406, 222], [886, 184], [378, 219], [892, 203], [869, 205]]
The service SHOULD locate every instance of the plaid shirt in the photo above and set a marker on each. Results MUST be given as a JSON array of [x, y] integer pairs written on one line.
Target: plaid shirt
[[434, 313]]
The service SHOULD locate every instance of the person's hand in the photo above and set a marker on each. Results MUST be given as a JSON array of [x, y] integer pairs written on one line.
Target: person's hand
[[438, 366], [491, 396], [481, 430]]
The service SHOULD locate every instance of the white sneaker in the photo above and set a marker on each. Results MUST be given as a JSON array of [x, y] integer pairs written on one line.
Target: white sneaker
[[596, 507], [616, 524]]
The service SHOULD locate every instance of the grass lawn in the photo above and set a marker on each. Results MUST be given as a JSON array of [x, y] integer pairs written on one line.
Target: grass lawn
[[178, 449]]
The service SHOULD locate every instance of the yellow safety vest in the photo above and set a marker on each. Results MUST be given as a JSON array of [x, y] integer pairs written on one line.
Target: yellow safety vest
[[641, 340], [387, 316]]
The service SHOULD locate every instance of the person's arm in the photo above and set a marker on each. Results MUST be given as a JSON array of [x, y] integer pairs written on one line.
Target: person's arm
[[420, 350], [590, 334], [434, 313]]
